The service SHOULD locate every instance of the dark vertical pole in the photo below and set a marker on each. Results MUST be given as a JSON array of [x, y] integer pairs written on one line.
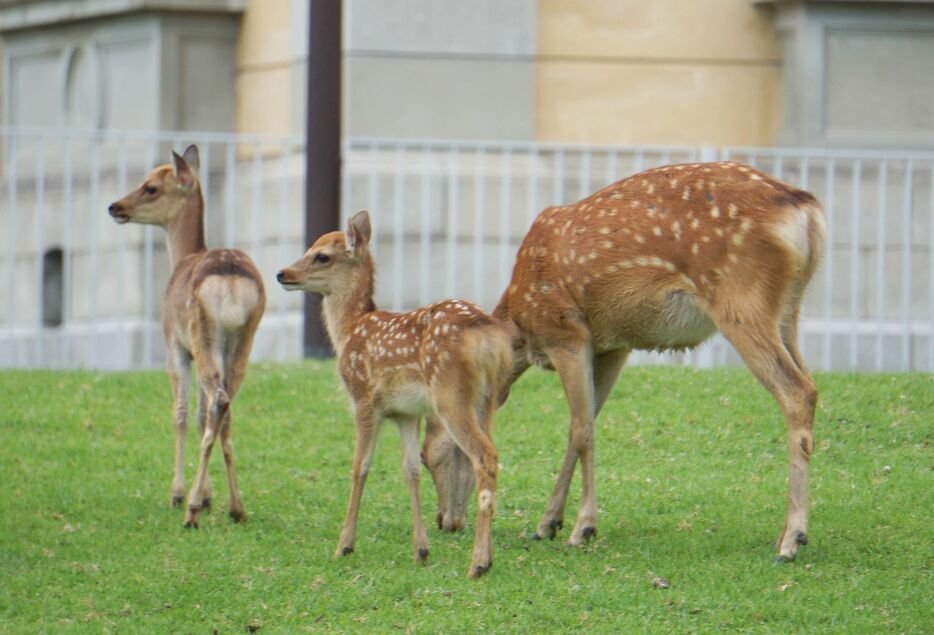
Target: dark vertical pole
[[323, 154]]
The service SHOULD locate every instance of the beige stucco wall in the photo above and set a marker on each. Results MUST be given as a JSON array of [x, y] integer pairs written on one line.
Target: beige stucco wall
[[659, 72], [264, 87]]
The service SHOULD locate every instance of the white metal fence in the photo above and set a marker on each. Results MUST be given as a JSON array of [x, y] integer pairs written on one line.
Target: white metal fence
[[79, 291]]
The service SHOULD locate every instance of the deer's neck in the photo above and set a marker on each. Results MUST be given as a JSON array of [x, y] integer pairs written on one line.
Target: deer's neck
[[186, 232], [344, 307]]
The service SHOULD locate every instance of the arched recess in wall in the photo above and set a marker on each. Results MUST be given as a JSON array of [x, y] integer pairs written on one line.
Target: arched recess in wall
[[82, 88], [53, 288]]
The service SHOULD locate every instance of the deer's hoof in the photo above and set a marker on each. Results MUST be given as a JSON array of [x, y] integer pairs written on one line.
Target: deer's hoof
[[422, 555], [780, 559], [177, 501], [206, 504], [535, 536], [589, 533], [346, 551], [479, 570], [238, 516], [191, 524], [801, 538]]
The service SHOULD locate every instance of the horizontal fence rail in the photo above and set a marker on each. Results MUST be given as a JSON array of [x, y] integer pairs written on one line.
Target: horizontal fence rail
[[448, 216]]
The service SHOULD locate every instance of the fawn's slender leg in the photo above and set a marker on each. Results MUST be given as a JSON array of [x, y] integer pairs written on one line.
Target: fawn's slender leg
[[471, 436], [761, 347], [202, 417], [210, 376], [411, 470], [235, 365], [367, 428], [179, 366]]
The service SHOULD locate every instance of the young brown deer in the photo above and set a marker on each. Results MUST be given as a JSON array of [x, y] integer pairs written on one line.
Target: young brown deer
[[212, 307], [660, 261], [448, 359]]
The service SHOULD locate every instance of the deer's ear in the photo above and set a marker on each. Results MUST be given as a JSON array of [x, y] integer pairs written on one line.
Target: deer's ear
[[183, 172], [358, 233], [191, 158]]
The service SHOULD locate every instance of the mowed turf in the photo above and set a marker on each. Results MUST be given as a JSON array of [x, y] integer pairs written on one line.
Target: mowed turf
[[691, 469]]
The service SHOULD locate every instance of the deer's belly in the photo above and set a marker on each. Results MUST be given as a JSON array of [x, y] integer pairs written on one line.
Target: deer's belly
[[673, 322]]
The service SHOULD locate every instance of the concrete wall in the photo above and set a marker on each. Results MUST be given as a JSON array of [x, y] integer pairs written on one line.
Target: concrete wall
[[857, 74]]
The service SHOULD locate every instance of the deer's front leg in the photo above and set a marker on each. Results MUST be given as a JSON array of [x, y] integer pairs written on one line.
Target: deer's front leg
[[179, 366], [366, 431], [411, 470]]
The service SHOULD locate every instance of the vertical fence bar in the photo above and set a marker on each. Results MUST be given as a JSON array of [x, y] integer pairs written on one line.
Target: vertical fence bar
[[931, 276], [12, 165], [398, 227], [125, 333], [424, 229], [148, 274], [40, 246], [256, 201], [204, 173], [880, 261], [94, 247], [828, 267], [505, 221], [612, 167], [558, 183], [584, 174], [372, 191], [908, 217], [855, 262], [453, 222], [230, 201], [68, 250], [479, 210], [285, 200], [533, 188], [347, 185]]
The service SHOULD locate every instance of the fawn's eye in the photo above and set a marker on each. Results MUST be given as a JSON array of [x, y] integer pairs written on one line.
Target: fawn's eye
[[322, 258], [150, 190]]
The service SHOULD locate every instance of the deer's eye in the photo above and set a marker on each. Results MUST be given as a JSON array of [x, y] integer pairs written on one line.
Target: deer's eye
[[150, 190], [322, 258]]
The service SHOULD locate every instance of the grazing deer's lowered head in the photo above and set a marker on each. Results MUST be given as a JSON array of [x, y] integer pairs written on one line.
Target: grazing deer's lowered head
[[212, 308], [448, 360], [660, 261]]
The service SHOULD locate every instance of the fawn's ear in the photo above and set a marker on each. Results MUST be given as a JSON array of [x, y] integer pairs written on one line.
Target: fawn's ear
[[183, 172], [358, 233], [192, 158]]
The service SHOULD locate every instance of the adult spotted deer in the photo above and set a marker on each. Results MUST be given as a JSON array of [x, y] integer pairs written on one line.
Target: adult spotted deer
[[660, 261], [213, 304], [448, 359]]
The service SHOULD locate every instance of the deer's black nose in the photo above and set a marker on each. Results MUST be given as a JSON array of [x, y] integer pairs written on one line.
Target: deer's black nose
[[280, 276], [114, 207]]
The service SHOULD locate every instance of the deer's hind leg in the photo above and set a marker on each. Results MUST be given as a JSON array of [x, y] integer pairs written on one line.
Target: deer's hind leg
[[761, 346], [235, 365], [206, 495], [179, 368], [471, 434], [411, 470], [208, 359]]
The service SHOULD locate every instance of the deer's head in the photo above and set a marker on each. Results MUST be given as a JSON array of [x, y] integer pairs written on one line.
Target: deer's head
[[334, 262], [161, 197]]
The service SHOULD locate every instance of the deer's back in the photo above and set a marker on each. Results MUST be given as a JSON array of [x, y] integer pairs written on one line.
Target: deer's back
[[641, 262]]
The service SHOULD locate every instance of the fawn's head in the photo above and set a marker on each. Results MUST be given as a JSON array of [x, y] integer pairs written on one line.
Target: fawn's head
[[334, 261], [161, 197]]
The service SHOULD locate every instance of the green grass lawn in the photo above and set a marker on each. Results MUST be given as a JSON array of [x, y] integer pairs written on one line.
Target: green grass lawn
[[691, 486]]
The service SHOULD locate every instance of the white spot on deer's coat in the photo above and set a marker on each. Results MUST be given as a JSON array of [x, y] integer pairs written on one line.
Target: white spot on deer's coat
[[715, 212], [657, 230], [695, 248], [485, 500]]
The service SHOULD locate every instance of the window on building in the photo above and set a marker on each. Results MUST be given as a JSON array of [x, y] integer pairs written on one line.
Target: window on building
[[53, 288]]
